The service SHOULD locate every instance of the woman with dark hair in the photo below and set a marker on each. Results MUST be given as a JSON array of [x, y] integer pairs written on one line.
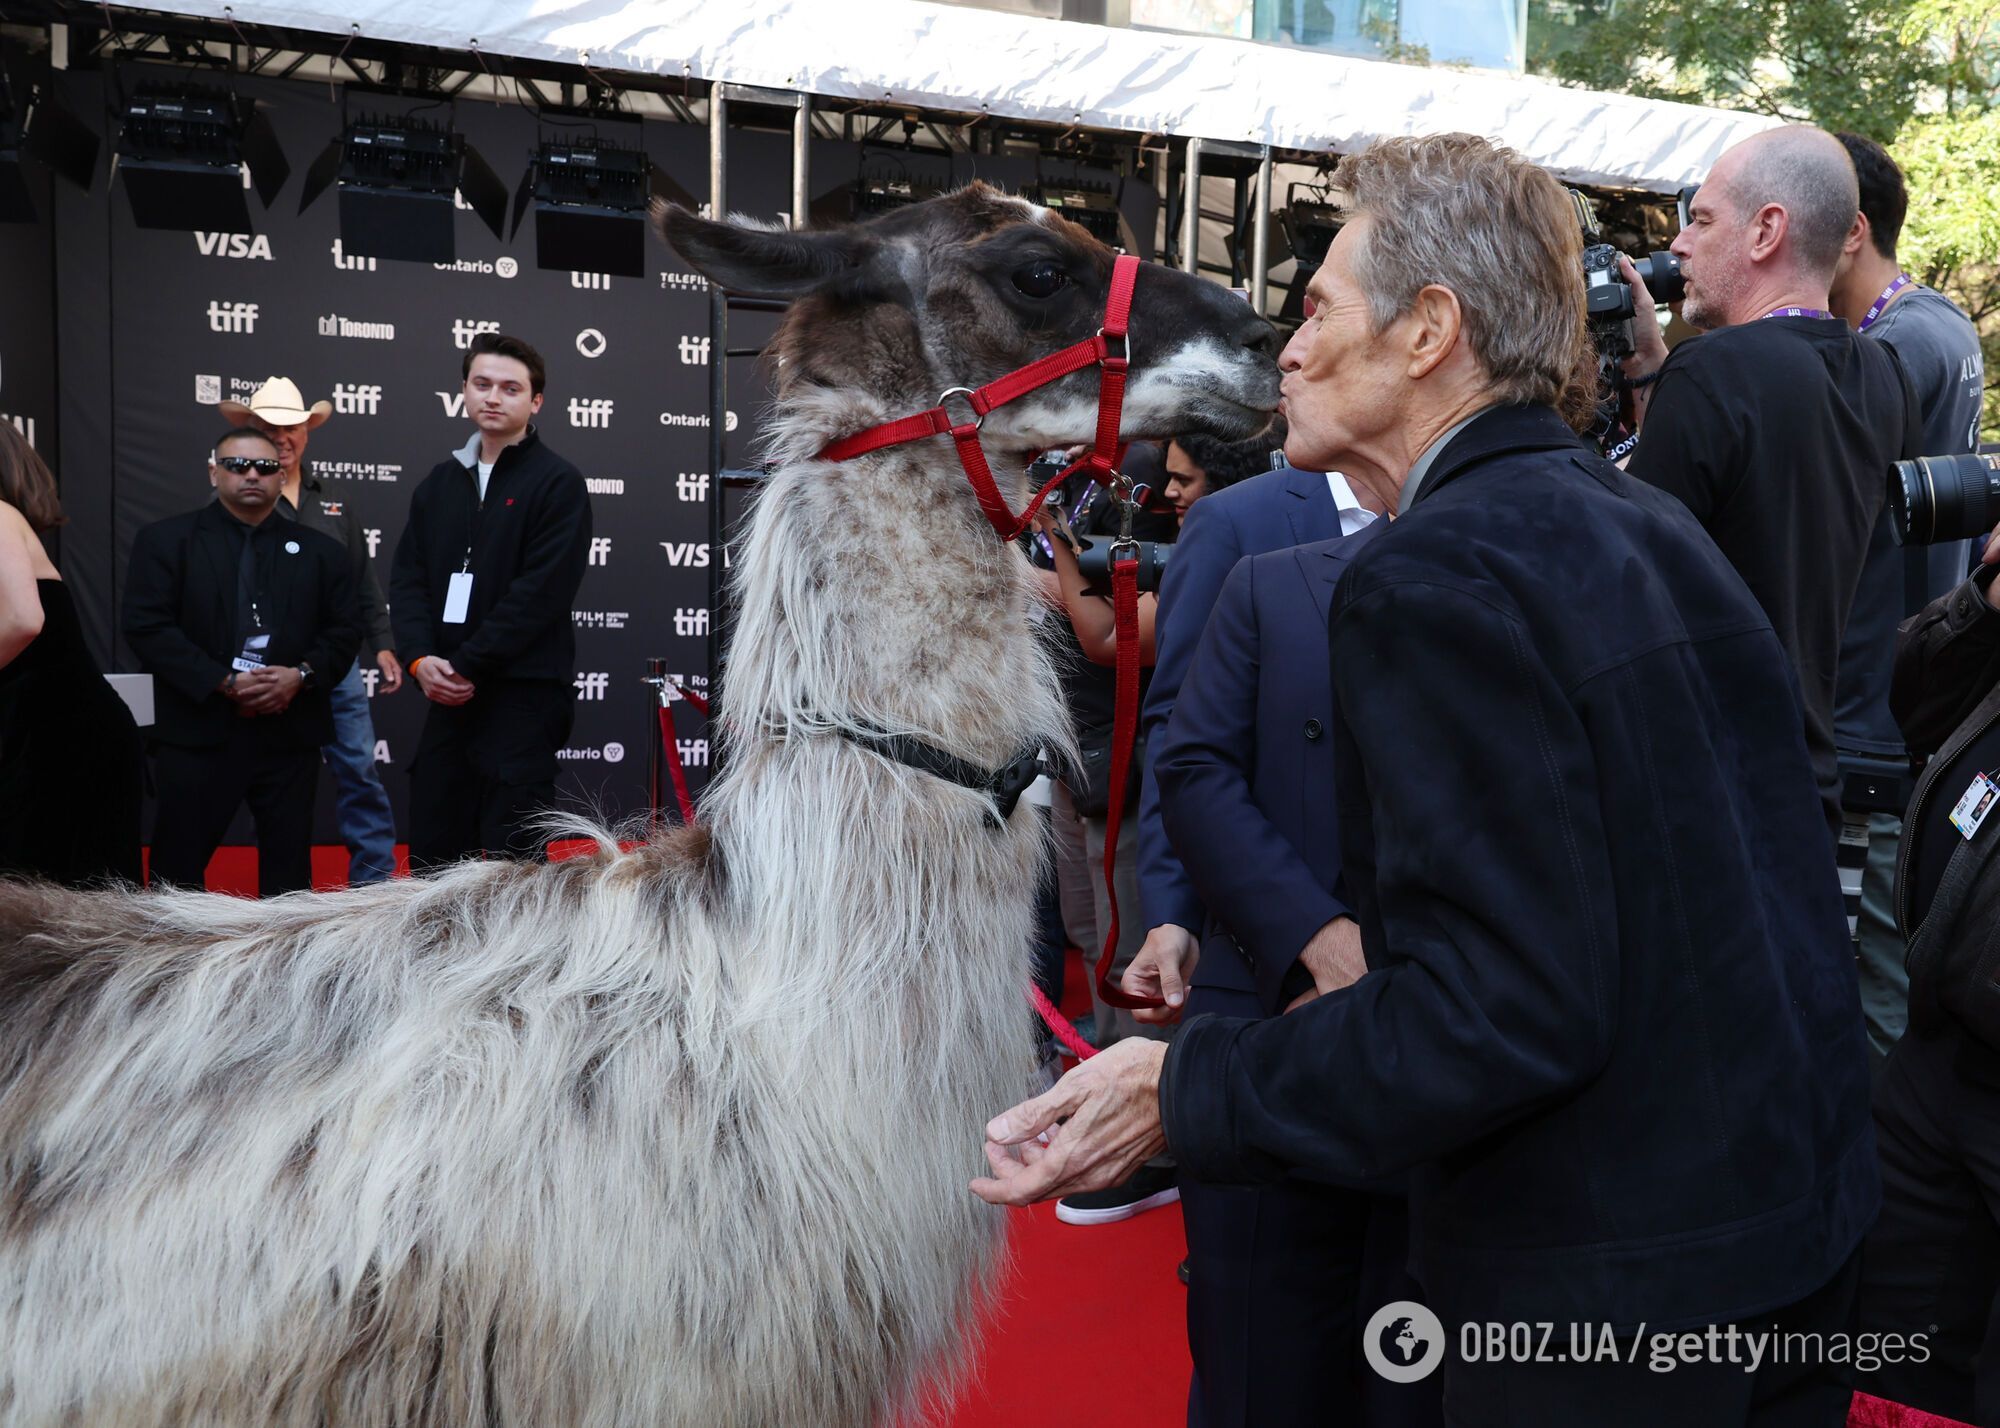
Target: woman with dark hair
[[71, 764]]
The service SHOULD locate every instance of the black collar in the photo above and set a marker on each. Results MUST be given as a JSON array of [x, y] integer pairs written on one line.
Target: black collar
[[1003, 785], [1492, 432]]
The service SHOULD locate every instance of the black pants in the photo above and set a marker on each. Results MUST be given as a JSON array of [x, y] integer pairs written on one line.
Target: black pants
[[201, 789], [1632, 1393], [1932, 1263], [1281, 1281], [486, 771]]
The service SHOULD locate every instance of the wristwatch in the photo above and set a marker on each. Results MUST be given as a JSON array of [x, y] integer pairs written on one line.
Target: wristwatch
[[305, 675]]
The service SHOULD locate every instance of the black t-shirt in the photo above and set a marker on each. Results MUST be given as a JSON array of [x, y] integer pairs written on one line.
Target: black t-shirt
[[1778, 435]]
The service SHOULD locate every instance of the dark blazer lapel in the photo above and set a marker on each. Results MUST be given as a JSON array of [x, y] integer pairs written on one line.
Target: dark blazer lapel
[[1321, 566], [211, 534], [1307, 487], [287, 570], [1492, 432]]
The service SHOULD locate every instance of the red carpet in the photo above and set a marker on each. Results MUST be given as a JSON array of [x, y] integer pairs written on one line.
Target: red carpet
[[1091, 1325]]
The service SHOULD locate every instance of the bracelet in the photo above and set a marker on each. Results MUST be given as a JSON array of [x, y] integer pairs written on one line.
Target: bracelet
[[411, 668], [1645, 381]]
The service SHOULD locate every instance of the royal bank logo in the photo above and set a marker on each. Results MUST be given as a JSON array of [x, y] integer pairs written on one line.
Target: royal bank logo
[[207, 389], [233, 245], [604, 485], [333, 325]]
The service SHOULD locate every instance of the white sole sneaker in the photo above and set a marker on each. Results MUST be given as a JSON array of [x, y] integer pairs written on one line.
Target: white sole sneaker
[[1111, 1214]]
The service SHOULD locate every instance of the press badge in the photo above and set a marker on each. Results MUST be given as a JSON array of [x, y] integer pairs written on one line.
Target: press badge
[[252, 656], [1974, 804], [458, 598]]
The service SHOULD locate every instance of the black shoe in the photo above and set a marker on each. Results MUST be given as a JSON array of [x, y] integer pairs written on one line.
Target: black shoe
[[1181, 1271], [1148, 1189]]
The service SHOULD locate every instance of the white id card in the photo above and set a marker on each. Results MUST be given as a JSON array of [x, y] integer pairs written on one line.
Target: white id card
[[253, 653], [1974, 804], [458, 598]]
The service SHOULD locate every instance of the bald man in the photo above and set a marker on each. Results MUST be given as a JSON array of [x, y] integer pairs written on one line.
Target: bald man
[[1777, 425]]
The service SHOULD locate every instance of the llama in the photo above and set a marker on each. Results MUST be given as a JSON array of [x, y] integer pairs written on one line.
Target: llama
[[674, 1137]]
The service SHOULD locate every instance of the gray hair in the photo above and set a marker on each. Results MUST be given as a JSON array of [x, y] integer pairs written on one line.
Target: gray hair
[[1463, 213], [1808, 173]]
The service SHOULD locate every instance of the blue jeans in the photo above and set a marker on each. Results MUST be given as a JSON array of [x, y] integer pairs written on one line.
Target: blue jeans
[[367, 825]]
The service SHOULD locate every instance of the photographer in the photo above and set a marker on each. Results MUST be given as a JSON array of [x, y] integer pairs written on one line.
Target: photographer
[[1940, 349], [1776, 426], [1932, 1263]]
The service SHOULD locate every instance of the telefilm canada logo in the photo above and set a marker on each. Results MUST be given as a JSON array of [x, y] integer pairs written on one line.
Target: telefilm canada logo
[[599, 619], [357, 470]]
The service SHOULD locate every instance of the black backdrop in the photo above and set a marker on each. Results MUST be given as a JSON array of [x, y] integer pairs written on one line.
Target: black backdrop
[[123, 339]]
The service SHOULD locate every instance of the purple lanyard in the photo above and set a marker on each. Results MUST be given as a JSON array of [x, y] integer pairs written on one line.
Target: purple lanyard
[[1902, 281], [1796, 312]]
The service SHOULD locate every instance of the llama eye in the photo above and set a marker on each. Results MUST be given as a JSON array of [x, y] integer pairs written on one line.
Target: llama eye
[[1041, 280]]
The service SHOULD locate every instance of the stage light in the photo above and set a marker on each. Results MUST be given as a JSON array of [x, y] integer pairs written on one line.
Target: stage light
[[397, 179], [1309, 223], [182, 152], [1090, 203], [591, 200]]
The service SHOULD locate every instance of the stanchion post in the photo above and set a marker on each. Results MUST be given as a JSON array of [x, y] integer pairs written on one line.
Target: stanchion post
[[1260, 237], [718, 376], [656, 679], [1191, 209]]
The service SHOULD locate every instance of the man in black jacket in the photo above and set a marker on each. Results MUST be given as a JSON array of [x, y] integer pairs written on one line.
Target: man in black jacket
[[1609, 1023], [485, 576], [244, 622]]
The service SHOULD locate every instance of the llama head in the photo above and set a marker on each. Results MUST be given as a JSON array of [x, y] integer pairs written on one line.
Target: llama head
[[960, 289]]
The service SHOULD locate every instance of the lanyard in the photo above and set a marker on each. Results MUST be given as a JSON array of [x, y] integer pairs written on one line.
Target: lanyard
[[1796, 312], [1881, 304]]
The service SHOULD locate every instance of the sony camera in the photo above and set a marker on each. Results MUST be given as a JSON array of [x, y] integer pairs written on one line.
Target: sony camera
[[1937, 498], [1608, 303]]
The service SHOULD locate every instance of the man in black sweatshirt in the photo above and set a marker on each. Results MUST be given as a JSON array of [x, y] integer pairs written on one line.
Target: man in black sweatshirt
[[480, 596]]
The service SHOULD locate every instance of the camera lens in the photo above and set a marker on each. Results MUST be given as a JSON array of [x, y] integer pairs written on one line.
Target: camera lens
[[1938, 498], [1661, 273]]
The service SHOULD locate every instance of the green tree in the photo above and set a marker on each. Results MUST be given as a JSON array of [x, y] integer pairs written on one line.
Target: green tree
[[1919, 76]]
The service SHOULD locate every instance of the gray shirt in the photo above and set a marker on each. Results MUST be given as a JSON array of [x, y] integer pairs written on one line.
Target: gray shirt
[[1940, 349]]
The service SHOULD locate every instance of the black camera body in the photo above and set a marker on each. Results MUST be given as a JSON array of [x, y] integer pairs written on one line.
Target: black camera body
[[1094, 560], [1608, 302]]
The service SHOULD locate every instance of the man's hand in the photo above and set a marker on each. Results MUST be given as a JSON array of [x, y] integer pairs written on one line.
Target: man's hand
[[1649, 347], [441, 683], [392, 671], [269, 690], [1109, 1109], [1161, 969], [1334, 959]]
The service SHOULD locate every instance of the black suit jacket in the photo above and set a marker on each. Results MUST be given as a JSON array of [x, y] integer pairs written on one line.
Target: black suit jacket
[[1611, 1021], [180, 620]]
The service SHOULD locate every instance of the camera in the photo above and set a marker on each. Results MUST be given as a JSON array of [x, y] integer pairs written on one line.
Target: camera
[[1608, 302], [1094, 560], [1936, 498]]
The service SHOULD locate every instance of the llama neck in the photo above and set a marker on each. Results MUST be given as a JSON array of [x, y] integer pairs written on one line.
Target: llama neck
[[873, 594]]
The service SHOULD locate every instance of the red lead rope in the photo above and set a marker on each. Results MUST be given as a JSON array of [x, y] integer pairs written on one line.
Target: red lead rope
[[1103, 459]]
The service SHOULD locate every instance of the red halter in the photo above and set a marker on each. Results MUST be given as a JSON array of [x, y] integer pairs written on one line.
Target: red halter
[[1104, 455]]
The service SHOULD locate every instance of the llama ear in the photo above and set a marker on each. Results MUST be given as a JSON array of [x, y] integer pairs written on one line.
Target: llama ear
[[759, 262]]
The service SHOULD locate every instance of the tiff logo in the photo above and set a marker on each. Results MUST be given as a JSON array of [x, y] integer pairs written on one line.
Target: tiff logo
[[694, 351], [373, 535], [598, 282], [370, 677], [352, 399], [691, 485], [240, 317], [593, 413], [690, 622], [467, 328], [694, 752], [592, 686], [352, 265], [24, 425], [454, 403], [600, 550], [233, 245]]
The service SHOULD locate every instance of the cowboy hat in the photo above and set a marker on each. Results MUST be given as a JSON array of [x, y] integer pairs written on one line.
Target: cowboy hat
[[279, 403]]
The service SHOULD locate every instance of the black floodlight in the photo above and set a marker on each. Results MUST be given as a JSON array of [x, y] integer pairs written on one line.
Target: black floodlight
[[183, 150], [1309, 223], [591, 200], [33, 125], [397, 179]]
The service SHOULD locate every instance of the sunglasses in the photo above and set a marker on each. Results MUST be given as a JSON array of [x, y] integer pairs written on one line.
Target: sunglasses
[[262, 465]]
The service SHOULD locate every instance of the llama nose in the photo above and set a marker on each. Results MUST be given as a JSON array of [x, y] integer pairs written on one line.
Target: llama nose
[[1259, 336]]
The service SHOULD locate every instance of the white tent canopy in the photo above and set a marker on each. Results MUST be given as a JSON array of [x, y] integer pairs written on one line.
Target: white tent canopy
[[945, 57]]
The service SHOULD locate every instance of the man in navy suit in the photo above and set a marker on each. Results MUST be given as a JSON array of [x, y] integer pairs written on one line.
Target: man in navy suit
[[1283, 1276], [1610, 1025]]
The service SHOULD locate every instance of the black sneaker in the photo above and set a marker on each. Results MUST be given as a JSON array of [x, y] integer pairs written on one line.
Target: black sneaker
[[1149, 1188]]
